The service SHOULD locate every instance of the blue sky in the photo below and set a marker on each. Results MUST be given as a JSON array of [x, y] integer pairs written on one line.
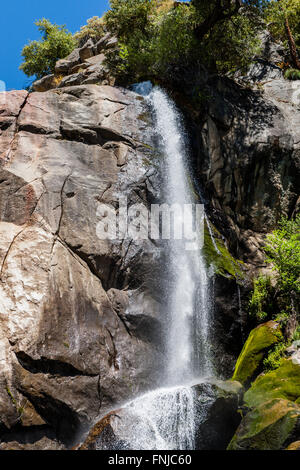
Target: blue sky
[[17, 27]]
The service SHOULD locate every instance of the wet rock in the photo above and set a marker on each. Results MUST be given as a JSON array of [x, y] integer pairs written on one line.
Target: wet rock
[[270, 426], [260, 340], [102, 435], [217, 413]]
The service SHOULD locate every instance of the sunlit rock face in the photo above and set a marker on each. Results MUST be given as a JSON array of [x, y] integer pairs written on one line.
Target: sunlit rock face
[[72, 341]]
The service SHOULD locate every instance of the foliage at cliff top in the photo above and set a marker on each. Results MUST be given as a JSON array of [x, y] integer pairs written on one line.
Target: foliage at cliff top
[[158, 39], [40, 56], [161, 39]]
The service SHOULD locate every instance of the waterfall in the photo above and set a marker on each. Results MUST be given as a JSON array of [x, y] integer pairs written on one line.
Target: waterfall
[[187, 339], [166, 417]]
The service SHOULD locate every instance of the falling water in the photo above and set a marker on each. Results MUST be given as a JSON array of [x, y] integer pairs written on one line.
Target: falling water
[[187, 340], [166, 417]]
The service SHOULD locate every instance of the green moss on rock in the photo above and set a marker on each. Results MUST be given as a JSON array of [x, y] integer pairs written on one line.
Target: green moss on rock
[[270, 426], [224, 263], [284, 382], [259, 341]]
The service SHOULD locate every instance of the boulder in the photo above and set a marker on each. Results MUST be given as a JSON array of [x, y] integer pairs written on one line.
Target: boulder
[[217, 415], [106, 42], [283, 382], [63, 66], [271, 426], [259, 341], [45, 83], [86, 51]]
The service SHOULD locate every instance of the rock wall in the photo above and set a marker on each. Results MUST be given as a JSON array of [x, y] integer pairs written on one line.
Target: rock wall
[[245, 138], [80, 317], [77, 313]]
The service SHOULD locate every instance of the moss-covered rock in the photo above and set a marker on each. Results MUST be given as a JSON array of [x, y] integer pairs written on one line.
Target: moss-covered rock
[[283, 382], [259, 341], [271, 426], [216, 254]]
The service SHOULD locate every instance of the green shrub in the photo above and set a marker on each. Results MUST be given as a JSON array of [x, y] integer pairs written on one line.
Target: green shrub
[[292, 74], [41, 56], [275, 356], [283, 252], [260, 302], [280, 299]]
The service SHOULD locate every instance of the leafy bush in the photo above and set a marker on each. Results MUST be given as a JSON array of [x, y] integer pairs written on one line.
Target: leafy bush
[[275, 356], [292, 74], [260, 302], [94, 29], [283, 254], [41, 56]]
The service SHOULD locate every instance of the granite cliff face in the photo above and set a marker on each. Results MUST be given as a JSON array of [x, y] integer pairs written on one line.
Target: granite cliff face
[[81, 317], [74, 308]]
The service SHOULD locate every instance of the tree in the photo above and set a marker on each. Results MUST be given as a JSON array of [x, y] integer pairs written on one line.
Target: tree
[[159, 39], [41, 56], [283, 17], [212, 13]]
